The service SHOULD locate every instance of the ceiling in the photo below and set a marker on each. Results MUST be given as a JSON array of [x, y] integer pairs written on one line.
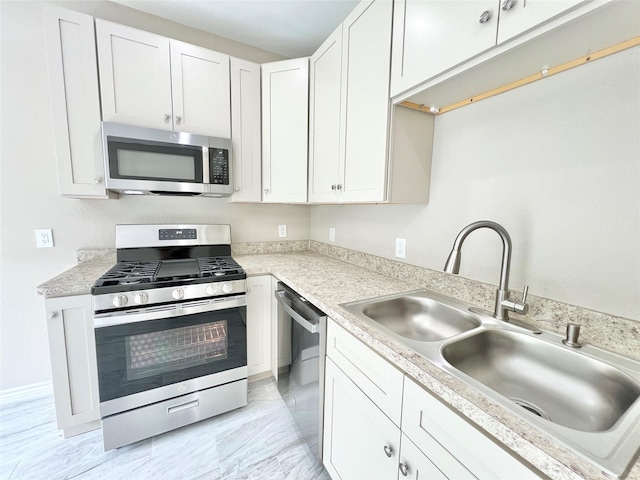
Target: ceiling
[[292, 28]]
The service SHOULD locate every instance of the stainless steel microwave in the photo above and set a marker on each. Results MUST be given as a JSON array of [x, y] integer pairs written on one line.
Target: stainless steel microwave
[[140, 160]]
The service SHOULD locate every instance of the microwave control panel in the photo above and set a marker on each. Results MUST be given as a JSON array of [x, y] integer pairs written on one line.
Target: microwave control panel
[[219, 166]]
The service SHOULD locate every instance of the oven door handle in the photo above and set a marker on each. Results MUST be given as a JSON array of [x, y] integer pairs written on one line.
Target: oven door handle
[[303, 322]]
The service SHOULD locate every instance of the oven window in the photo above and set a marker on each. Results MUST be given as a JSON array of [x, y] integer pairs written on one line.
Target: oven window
[[141, 356], [156, 353]]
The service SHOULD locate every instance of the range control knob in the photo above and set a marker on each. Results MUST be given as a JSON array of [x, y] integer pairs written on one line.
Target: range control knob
[[141, 298], [227, 288], [119, 300], [178, 294], [212, 289]]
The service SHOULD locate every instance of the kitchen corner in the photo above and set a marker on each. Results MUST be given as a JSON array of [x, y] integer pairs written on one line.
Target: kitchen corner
[[329, 276]]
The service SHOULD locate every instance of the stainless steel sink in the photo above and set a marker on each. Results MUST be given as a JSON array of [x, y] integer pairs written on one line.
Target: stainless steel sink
[[550, 381], [419, 318], [587, 399]]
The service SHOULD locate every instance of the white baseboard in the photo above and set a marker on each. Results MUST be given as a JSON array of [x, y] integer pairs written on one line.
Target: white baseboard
[[26, 392]]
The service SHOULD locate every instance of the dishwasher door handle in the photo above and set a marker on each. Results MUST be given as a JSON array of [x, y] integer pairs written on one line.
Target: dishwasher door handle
[[303, 322]]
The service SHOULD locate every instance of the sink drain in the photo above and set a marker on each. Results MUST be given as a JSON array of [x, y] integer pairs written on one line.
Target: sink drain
[[530, 407]]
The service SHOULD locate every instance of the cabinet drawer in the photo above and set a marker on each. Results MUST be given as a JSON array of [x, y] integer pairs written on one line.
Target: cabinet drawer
[[450, 442], [377, 378]]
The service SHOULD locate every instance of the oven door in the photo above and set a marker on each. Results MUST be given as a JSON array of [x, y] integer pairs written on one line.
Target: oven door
[[155, 353]]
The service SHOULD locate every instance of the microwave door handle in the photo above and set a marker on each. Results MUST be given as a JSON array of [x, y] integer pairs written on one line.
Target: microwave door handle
[[206, 166], [303, 322]]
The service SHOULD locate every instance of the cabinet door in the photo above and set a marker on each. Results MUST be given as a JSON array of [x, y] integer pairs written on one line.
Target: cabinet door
[[455, 446], [245, 130], [135, 76], [73, 363], [524, 15], [200, 90], [325, 76], [75, 102], [360, 442], [365, 67], [285, 108], [431, 36], [415, 465], [259, 324]]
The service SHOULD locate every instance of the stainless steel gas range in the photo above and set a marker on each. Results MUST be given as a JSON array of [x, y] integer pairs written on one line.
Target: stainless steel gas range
[[170, 330]]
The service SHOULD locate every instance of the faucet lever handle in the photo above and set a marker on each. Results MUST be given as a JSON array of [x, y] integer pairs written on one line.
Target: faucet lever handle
[[521, 307], [525, 292]]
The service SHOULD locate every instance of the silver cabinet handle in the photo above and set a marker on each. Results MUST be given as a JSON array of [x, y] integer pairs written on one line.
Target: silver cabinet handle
[[388, 450], [485, 17], [167, 118], [266, 190], [178, 119], [97, 180], [339, 186], [508, 4], [52, 315], [333, 187], [404, 469]]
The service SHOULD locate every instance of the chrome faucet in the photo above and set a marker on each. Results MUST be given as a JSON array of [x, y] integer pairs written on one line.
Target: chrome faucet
[[503, 305]]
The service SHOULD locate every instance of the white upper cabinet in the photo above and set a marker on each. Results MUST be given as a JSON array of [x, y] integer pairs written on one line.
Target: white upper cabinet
[[151, 81], [366, 40], [431, 36], [359, 150], [518, 16], [75, 102], [245, 130], [325, 73], [200, 90], [443, 54], [285, 107]]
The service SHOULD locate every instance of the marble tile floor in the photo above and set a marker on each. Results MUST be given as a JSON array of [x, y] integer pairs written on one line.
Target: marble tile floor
[[258, 441]]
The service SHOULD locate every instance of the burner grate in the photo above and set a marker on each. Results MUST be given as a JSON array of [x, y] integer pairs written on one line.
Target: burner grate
[[217, 266], [124, 273]]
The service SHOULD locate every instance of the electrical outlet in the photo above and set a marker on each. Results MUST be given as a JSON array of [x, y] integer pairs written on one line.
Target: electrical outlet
[[401, 247], [332, 234], [282, 231], [44, 238]]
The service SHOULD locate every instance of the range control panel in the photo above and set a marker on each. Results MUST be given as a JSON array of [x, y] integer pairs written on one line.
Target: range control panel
[[177, 234]]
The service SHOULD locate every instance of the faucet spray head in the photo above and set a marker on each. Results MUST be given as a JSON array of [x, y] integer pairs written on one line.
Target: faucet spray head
[[453, 262]]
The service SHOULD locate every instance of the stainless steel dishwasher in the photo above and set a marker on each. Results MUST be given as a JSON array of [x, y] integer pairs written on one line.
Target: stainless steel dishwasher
[[301, 382]]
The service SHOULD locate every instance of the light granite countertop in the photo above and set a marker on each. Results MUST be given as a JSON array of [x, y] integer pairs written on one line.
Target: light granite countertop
[[328, 282]]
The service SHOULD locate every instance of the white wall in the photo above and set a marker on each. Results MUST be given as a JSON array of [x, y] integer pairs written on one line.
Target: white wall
[[29, 193], [557, 163]]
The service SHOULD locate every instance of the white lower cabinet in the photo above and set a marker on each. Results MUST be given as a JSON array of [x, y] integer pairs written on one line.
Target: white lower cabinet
[[415, 465], [360, 442], [363, 440], [72, 349], [259, 294]]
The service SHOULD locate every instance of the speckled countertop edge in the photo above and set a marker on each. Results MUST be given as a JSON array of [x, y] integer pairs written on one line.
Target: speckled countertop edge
[[328, 282]]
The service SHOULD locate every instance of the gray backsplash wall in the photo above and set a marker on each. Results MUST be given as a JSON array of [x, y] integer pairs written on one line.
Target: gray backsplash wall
[[557, 163]]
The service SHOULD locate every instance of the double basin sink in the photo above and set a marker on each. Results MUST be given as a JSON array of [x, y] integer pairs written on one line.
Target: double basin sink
[[586, 398]]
